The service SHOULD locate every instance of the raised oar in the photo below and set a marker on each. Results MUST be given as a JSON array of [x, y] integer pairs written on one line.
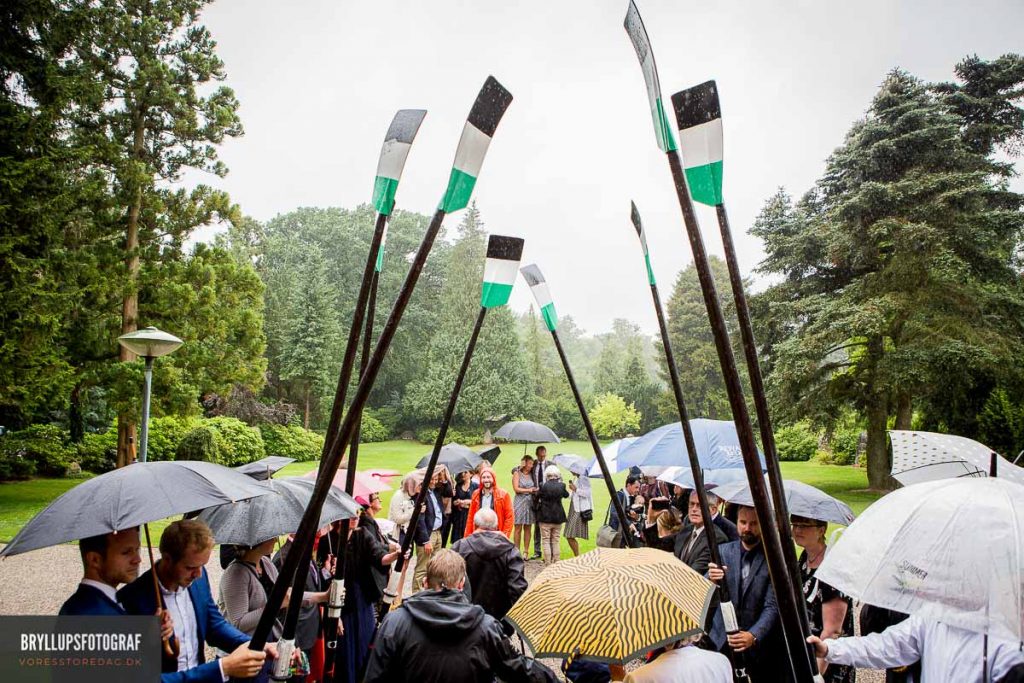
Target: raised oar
[[804, 667], [542, 295], [700, 141], [483, 120], [739, 669], [503, 255]]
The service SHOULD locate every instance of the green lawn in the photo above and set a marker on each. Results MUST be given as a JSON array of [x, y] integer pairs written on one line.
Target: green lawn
[[19, 501]]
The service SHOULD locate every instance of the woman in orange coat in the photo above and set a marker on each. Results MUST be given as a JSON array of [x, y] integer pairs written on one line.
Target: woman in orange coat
[[494, 498]]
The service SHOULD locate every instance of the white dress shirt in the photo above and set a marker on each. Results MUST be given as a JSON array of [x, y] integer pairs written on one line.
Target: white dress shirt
[[179, 604], [688, 664], [948, 654]]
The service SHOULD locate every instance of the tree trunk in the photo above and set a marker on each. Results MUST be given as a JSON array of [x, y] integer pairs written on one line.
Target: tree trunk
[[904, 410], [305, 418], [879, 464], [76, 422]]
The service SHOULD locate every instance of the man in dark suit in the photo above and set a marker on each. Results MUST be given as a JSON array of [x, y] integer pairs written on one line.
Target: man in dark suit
[[628, 495], [720, 520], [428, 534], [540, 466], [757, 615], [692, 541], [185, 548], [107, 561]]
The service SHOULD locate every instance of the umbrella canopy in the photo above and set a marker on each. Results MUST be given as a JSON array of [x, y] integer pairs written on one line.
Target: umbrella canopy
[[383, 473], [264, 468], [364, 484], [718, 447], [611, 455], [526, 432], [613, 604], [490, 454], [683, 476], [250, 522], [456, 457], [576, 464], [949, 551], [130, 496], [927, 456], [803, 500]]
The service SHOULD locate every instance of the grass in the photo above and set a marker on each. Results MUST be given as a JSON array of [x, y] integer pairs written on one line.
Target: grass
[[19, 501]]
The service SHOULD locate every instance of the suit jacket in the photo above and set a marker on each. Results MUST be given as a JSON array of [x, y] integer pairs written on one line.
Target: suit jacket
[[425, 523], [754, 600], [91, 601], [613, 519], [727, 527], [211, 627], [700, 554]]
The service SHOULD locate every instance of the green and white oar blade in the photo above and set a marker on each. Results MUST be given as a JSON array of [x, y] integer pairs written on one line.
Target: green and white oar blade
[[393, 154], [503, 256], [483, 120], [634, 214], [642, 44], [700, 141], [541, 294], [379, 265]]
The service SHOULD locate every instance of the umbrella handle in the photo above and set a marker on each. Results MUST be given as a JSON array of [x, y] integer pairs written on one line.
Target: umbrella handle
[[171, 647]]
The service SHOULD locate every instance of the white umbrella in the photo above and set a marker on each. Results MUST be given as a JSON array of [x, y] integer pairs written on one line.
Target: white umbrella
[[576, 464], [927, 456], [683, 476], [611, 456], [949, 550]]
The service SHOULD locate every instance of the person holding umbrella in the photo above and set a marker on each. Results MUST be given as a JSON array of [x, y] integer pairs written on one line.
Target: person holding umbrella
[[581, 511]]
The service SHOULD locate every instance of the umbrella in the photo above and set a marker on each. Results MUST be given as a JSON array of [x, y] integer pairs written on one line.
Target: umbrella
[[253, 521], [576, 464], [490, 454], [611, 455], [802, 499], [613, 604], [264, 468], [456, 457], [718, 446], [383, 473], [927, 456], [364, 484], [947, 550], [683, 476], [130, 496], [526, 432]]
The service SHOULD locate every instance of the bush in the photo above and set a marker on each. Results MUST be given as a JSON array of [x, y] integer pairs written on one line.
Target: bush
[[237, 442], [45, 446], [98, 452], [372, 430], [388, 418], [199, 444], [14, 467], [613, 418], [796, 442], [165, 433], [467, 436], [844, 446], [291, 441]]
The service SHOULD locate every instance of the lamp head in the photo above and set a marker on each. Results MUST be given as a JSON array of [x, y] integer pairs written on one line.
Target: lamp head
[[149, 342]]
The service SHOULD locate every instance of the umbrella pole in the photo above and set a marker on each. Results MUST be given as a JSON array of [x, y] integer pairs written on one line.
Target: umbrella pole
[[789, 609], [421, 498], [728, 611], [624, 526], [170, 647]]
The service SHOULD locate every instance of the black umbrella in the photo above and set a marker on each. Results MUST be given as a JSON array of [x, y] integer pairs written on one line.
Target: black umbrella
[[526, 432], [264, 468], [490, 454], [456, 457]]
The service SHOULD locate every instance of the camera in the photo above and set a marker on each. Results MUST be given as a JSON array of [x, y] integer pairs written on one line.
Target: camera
[[660, 504]]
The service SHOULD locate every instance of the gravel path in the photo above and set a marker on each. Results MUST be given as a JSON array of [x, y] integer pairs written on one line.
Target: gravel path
[[38, 583]]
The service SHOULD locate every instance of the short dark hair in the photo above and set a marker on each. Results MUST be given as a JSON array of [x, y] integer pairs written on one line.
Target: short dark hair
[[632, 479], [182, 535], [540, 448], [94, 544]]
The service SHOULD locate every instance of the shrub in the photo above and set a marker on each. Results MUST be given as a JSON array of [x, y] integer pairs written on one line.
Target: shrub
[[165, 433], [98, 452], [565, 417], [291, 441], [613, 418], [372, 430], [387, 416], [199, 444], [796, 442], [467, 436], [237, 442], [45, 446], [14, 466], [844, 446]]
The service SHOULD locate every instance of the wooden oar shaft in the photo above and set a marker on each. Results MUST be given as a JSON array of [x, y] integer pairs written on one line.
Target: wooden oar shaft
[[779, 572], [606, 474], [170, 648]]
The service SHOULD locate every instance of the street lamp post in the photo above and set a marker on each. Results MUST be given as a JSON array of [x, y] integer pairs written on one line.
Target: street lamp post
[[148, 343]]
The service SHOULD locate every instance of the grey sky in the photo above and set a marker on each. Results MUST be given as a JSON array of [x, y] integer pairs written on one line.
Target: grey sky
[[319, 81]]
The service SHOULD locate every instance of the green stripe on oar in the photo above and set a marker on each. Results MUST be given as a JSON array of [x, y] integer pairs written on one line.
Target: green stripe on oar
[[634, 214], [642, 44], [503, 255], [483, 119], [700, 141], [379, 265], [541, 294], [393, 154]]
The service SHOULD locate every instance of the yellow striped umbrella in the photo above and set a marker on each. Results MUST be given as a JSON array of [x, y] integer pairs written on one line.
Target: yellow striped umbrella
[[612, 604]]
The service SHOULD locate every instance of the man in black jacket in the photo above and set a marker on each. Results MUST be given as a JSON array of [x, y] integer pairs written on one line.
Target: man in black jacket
[[438, 635], [494, 566], [692, 541]]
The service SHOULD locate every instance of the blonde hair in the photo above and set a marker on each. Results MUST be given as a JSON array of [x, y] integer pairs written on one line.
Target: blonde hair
[[446, 569], [181, 536], [669, 522]]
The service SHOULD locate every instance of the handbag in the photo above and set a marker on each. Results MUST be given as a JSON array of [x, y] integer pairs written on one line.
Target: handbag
[[587, 515], [607, 537]]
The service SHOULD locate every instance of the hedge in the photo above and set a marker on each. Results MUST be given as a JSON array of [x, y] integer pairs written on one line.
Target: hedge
[[796, 442], [291, 441]]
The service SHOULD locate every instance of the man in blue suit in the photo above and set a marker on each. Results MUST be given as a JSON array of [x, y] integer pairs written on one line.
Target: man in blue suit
[[108, 561], [750, 589], [185, 549]]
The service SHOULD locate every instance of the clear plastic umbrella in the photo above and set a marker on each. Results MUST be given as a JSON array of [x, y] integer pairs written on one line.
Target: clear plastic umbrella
[[927, 456], [949, 550]]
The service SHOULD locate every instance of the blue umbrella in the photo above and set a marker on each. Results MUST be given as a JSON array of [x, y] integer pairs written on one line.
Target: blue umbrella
[[718, 447]]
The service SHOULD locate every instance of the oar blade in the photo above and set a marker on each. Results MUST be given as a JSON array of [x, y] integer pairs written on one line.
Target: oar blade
[[634, 215], [642, 44], [541, 294], [483, 120], [393, 154], [699, 117], [503, 256]]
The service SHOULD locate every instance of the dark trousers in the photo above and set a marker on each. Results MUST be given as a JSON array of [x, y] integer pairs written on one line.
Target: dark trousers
[[446, 530]]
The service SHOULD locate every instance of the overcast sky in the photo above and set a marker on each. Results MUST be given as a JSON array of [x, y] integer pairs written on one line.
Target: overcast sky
[[319, 81]]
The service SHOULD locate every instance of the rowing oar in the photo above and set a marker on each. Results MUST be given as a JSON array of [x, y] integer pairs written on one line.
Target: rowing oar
[[739, 667], [483, 120], [542, 295], [394, 152], [804, 668], [503, 255], [699, 116]]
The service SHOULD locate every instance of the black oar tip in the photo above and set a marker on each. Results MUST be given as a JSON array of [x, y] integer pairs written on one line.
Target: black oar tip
[[490, 106], [634, 214], [697, 105], [505, 247]]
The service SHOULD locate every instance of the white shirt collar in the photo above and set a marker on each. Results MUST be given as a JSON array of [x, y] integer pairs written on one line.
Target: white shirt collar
[[104, 588]]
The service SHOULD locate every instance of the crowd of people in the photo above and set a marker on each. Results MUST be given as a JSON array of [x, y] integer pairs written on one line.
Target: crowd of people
[[472, 540]]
